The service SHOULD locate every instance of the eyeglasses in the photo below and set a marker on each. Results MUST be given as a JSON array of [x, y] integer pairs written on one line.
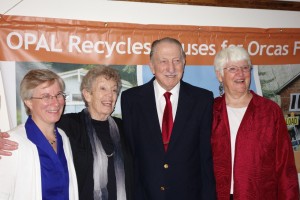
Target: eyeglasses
[[47, 97], [234, 69]]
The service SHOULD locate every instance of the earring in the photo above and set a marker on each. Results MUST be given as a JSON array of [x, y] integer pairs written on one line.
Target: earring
[[221, 89]]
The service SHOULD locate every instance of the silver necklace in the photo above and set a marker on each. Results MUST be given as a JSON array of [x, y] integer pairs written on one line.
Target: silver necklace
[[110, 155]]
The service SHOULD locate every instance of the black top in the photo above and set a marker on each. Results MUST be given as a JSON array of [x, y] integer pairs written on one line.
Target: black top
[[74, 126]]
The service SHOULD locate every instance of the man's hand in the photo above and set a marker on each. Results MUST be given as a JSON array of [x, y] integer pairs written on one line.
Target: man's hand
[[6, 146]]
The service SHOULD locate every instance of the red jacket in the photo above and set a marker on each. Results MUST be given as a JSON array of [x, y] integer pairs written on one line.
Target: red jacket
[[264, 166]]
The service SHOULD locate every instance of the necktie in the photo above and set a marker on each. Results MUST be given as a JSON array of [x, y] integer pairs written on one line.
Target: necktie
[[167, 122]]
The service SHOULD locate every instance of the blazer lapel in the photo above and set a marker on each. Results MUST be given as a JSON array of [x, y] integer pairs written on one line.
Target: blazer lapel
[[151, 121]]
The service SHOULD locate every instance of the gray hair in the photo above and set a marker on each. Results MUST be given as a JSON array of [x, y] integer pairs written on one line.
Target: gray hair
[[168, 40], [97, 71], [233, 54]]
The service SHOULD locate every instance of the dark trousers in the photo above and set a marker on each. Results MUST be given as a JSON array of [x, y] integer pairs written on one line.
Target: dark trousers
[[231, 196]]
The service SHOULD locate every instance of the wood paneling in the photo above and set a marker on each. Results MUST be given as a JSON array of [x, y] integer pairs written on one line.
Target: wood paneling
[[257, 4]]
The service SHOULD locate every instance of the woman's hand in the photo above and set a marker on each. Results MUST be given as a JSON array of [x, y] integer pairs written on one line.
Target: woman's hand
[[6, 146]]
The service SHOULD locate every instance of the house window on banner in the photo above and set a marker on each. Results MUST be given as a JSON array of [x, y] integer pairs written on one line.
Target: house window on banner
[[294, 102]]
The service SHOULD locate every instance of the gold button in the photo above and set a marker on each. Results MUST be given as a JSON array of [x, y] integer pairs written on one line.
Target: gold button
[[166, 166], [162, 188]]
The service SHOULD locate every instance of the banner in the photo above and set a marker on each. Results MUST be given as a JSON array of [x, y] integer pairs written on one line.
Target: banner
[[71, 47], [89, 42]]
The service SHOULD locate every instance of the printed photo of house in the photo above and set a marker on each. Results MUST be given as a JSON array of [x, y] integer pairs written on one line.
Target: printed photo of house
[[72, 75], [282, 84]]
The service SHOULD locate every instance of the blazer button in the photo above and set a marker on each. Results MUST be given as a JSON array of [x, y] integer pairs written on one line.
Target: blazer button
[[166, 166], [162, 188]]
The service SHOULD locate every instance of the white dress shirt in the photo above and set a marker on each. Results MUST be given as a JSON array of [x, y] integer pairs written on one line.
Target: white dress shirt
[[161, 101]]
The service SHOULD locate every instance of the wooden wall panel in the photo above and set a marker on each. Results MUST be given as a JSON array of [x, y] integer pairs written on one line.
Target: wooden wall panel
[[257, 4]]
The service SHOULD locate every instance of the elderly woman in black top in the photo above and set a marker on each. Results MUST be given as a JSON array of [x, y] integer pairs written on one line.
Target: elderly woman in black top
[[97, 143]]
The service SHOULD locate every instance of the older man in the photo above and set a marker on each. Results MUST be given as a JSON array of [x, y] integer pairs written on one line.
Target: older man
[[172, 158]]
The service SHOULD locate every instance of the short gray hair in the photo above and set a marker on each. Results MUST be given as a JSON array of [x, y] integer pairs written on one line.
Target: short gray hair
[[233, 54], [95, 72]]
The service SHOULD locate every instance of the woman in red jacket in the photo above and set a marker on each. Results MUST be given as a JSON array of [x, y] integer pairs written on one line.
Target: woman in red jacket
[[252, 152]]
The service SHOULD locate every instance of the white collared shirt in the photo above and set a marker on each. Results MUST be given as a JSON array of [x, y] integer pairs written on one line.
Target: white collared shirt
[[161, 102]]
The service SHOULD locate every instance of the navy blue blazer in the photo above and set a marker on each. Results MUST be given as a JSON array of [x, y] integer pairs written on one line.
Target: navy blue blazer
[[185, 171]]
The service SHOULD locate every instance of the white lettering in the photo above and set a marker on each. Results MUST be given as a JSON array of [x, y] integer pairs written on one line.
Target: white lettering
[[109, 49], [97, 45], [147, 47], [128, 45], [118, 47], [52, 44], [253, 45], [87, 46], [29, 39], [285, 50], [212, 49], [296, 47], [136, 48], [73, 43], [42, 44], [269, 50], [224, 44], [10, 41]]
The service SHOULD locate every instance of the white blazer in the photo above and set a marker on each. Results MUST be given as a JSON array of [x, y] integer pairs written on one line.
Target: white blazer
[[20, 174]]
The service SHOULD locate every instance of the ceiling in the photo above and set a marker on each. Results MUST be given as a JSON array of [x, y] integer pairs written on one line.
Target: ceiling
[[291, 5]]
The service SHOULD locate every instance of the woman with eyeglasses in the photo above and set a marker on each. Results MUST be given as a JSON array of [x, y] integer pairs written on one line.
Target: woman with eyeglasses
[[252, 152], [42, 167], [102, 160]]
